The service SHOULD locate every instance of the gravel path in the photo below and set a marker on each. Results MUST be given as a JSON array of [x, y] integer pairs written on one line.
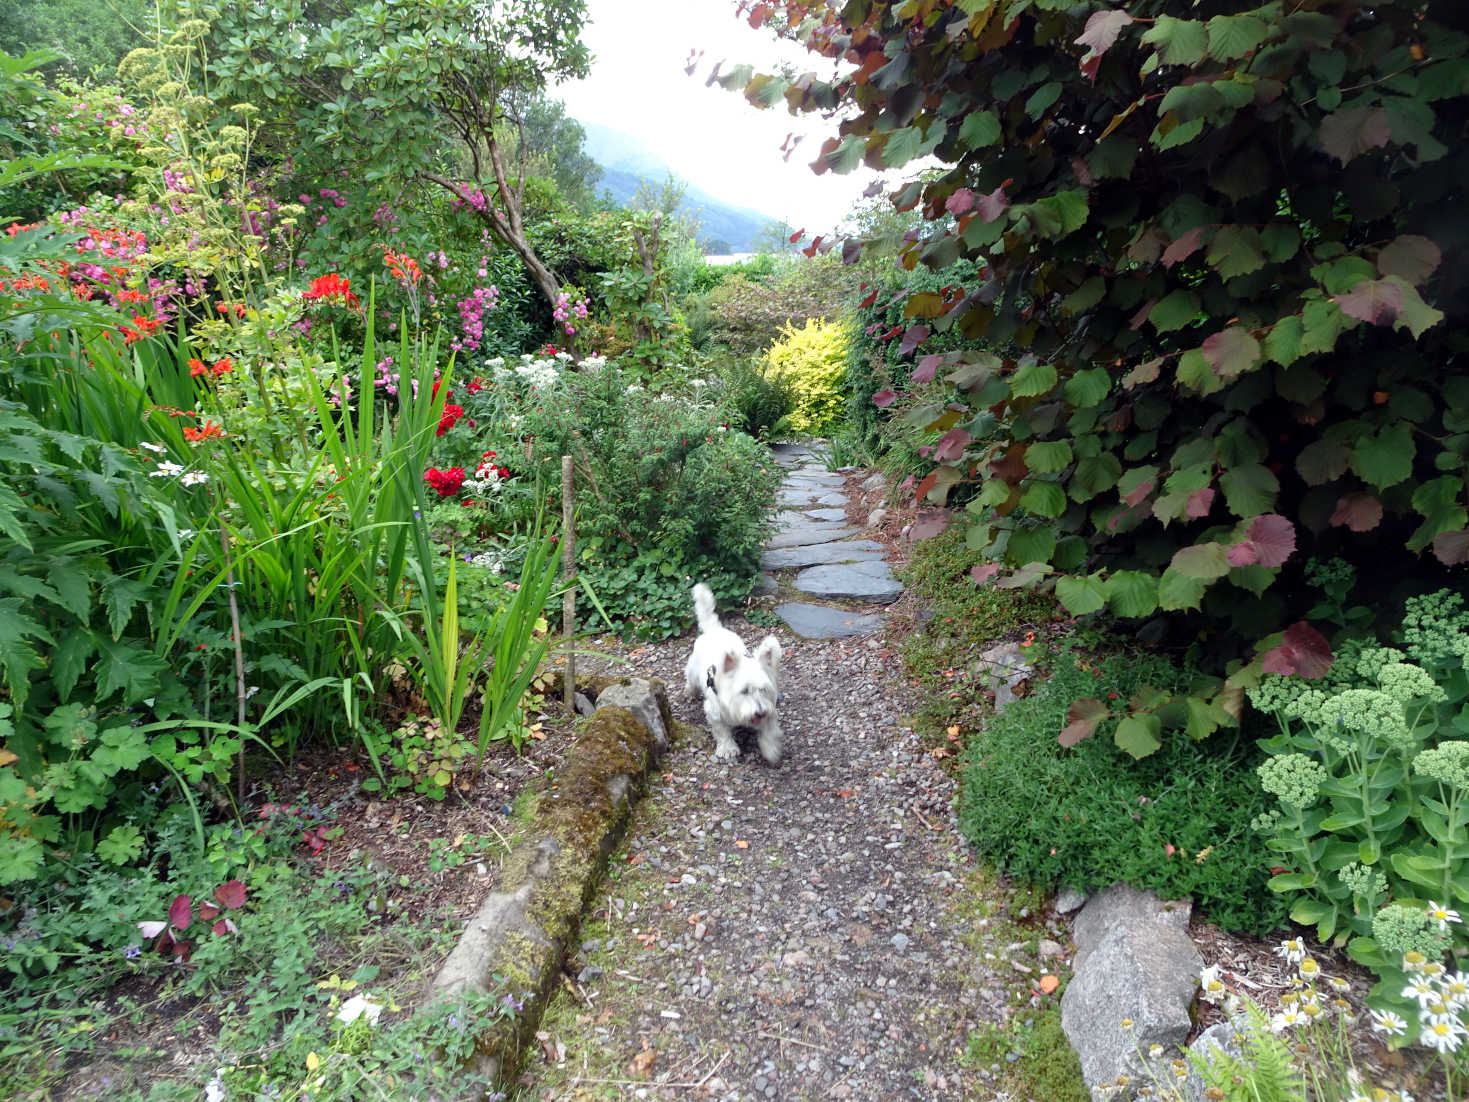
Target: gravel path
[[809, 931]]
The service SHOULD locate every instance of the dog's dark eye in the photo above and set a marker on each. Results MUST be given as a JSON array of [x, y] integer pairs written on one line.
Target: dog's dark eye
[[746, 690]]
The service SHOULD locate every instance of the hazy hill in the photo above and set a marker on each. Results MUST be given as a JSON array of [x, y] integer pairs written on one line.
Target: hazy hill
[[723, 227]]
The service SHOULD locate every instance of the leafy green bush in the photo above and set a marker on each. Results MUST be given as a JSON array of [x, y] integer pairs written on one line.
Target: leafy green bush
[[1176, 823], [757, 403], [812, 362], [666, 493], [750, 307]]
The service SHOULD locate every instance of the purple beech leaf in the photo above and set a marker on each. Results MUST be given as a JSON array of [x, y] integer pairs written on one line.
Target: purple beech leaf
[[915, 336], [1358, 512], [984, 572], [961, 201], [1232, 352], [991, 206], [884, 398], [230, 894], [1101, 31], [181, 912], [1199, 503], [952, 445], [1377, 301], [1409, 256], [924, 372], [1082, 719], [1184, 247], [1302, 650], [1345, 134], [1451, 548]]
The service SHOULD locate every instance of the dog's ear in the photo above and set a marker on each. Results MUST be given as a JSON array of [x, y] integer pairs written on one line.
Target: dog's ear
[[769, 652], [732, 660]]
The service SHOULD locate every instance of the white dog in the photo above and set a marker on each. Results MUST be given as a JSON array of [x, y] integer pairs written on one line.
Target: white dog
[[738, 690]]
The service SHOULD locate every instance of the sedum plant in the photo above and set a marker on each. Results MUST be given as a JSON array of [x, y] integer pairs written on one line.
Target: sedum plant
[[1370, 774]]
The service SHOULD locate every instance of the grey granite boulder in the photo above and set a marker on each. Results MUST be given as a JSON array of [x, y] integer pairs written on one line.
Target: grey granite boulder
[[1134, 963]]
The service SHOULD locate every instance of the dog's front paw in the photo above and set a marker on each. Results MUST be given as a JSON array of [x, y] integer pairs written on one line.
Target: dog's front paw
[[726, 750]]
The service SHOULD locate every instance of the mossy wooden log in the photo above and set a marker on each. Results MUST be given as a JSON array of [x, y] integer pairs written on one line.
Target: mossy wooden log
[[517, 942]]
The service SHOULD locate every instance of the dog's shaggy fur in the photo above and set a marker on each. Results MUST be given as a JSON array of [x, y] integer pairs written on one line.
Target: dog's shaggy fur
[[739, 690]]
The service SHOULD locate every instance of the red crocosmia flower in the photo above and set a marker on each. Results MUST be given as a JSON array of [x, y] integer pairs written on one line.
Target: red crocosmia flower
[[474, 386], [331, 288], [204, 432], [402, 267], [223, 366], [141, 327], [196, 367]]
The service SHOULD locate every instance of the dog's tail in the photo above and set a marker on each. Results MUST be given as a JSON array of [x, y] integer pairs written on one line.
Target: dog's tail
[[704, 608]]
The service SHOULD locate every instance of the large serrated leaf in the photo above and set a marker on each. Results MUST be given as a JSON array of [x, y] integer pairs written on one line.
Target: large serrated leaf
[[1087, 388], [1139, 735], [1249, 490], [1174, 311], [1048, 456], [1044, 499], [1386, 458], [1032, 380], [1177, 41], [1202, 562], [1132, 594], [1178, 591], [980, 129], [1080, 595]]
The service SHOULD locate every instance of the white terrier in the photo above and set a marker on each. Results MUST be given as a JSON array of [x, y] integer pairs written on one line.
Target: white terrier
[[738, 690]]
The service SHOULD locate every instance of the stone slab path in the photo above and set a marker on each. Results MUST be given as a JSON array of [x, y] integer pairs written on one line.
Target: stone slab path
[[833, 568]]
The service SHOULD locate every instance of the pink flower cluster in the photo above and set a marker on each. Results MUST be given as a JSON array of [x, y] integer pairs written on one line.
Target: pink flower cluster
[[565, 310], [472, 311]]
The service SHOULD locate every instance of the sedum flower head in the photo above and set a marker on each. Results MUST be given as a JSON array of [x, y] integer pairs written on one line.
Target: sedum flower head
[[1436, 627], [1363, 880], [1276, 691], [1372, 659], [1399, 929], [1406, 683], [1370, 711], [1294, 779], [1447, 763]]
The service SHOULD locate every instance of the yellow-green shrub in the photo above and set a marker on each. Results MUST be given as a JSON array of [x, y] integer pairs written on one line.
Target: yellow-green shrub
[[813, 362]]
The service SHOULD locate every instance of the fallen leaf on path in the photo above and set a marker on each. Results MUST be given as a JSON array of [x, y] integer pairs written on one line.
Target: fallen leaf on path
[[742, 845], [642, 1063], [1049, 984]]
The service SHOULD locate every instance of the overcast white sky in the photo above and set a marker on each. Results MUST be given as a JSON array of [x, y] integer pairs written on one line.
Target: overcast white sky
[[711, 137]]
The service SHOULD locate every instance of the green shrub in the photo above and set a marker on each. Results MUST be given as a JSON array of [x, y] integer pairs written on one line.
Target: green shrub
[[666, 494], [812, 361], [750, 308], [1176, 823], [757, 404]]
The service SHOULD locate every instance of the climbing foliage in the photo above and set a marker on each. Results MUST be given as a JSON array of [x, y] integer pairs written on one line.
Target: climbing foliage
[[1217, 320]]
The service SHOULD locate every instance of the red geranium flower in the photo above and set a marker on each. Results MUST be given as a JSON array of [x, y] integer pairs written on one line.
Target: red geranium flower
[[447, 483]]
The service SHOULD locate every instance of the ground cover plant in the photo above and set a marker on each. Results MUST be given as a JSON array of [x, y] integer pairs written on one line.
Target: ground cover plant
[[1088, 815]]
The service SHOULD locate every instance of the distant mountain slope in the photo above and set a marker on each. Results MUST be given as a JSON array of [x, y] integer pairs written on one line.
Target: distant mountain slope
[[723, 227]]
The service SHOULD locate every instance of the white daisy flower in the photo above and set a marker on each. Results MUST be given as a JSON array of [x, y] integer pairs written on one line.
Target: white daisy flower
[[1293, 950], [166, 469], [193, 478], [1388, 1023], [1442, 1036], [1442, 915], [1421, 990], [156, 449]]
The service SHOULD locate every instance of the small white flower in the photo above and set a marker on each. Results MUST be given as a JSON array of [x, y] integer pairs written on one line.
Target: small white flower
[[193, 478], [359, 1006], [156, 449], [186, 533], [1338, 983], [1287, 1019], [214, 1089], [1421, 990], [1211, 987], [1442, 915], [1445, 1036], [1388, 1024], [1455, 988], [165, 469], [1292, 950]]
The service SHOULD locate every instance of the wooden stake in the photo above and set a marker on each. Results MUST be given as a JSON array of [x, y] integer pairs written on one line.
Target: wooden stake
[[568, 569]]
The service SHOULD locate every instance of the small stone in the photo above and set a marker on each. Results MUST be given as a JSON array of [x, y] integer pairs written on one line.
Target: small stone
[[899, 942], [1069, 900], [1048, 948], [583, 704], [876, 517], [875, 481], [588, 974]]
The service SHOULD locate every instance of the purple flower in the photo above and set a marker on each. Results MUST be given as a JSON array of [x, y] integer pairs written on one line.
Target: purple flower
[[132, 952]]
